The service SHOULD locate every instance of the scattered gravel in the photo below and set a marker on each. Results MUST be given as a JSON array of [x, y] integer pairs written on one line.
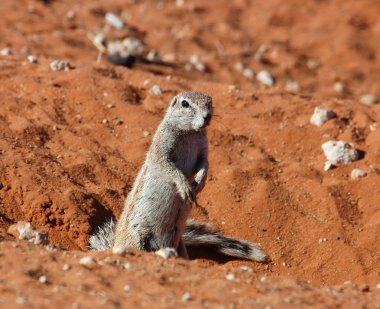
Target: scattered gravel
[[197, 63], [87, 260], [321, 116], [60, 65], [114, 20], [265, 78], [167, 253], [32, 59], [6, 52], [339, 152], [247, 72], [339, 87], [292, 86], [186, 297], [369, 99], [156, 90], [66, 267], [357, 173]]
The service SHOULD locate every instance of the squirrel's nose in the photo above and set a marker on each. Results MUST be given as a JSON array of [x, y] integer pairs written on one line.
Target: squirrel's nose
[[207, 118]]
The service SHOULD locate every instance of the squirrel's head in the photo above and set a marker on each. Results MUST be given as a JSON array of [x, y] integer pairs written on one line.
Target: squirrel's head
[[190, 110]]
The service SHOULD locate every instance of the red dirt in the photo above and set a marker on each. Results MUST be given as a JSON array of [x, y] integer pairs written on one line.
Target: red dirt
[[66, 171]]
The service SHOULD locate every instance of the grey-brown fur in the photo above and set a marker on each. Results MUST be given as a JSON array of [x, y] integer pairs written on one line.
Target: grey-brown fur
[[173, 173]]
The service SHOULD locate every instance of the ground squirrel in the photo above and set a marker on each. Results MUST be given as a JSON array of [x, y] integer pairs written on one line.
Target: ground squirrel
[[164, 190]]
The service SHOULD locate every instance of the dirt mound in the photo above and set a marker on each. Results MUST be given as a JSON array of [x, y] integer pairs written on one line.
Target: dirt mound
[[71, 143]]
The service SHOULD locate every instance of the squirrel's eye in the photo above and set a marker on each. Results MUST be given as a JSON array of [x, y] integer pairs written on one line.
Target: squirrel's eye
[[185, 103]]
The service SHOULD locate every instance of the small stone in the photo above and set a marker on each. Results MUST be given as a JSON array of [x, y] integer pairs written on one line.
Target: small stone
[[378, 286], [322, 240], [328, 166], [239, 66], [259, 55], [321, 116], [119, 250], [167, 252], [232, 88], [230, 277], [246, 268], [104, 121], [66, 267], [339, 87], [197, 63], [60, 65], [265, 78], [24, 230], [357, 173], [247, 72], [292, 86], [263, 279], [373, 126], [369, 99], [339, 152], [146, 133], [156, 90], [186, 297], [154, 56], [32, 59], [114, 21], [6, 52], [109, 106], [125, 52], [20, 300], [128, 266], [313, 64], [126, 288], [42, 279], [87, 260]]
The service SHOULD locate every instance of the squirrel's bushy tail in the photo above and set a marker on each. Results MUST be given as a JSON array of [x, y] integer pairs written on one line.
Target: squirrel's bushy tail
[[196, 234], [103, 237]]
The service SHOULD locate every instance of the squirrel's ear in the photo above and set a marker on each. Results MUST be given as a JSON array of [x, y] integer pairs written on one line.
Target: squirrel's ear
[[174, 102]]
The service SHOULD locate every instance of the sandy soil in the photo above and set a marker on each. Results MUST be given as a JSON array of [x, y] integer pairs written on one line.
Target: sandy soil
[[71, 143]]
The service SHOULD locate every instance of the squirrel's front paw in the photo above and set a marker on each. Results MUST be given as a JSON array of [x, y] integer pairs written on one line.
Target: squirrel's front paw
[[187, 194]]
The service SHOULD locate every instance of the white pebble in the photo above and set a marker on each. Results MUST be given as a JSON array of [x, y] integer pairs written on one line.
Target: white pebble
[[263, 279], [186, 297], [20, 300], [357, 173], [32, 59], [369, 99], [197, 63], [87, 260], [66, 267], [246, 268], [126, 288], [265, 78], [247, 72], [155, 90], [292, 86], [239, 66], [339, 87], [259, 55], [313, 64], [114, 20], [42, 279], [322, 240], [6, 52], [378, 286], [60, 65], [167, 252], [339, 152], [119, 250], [128, 266], [230, 277], [321, 115]]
